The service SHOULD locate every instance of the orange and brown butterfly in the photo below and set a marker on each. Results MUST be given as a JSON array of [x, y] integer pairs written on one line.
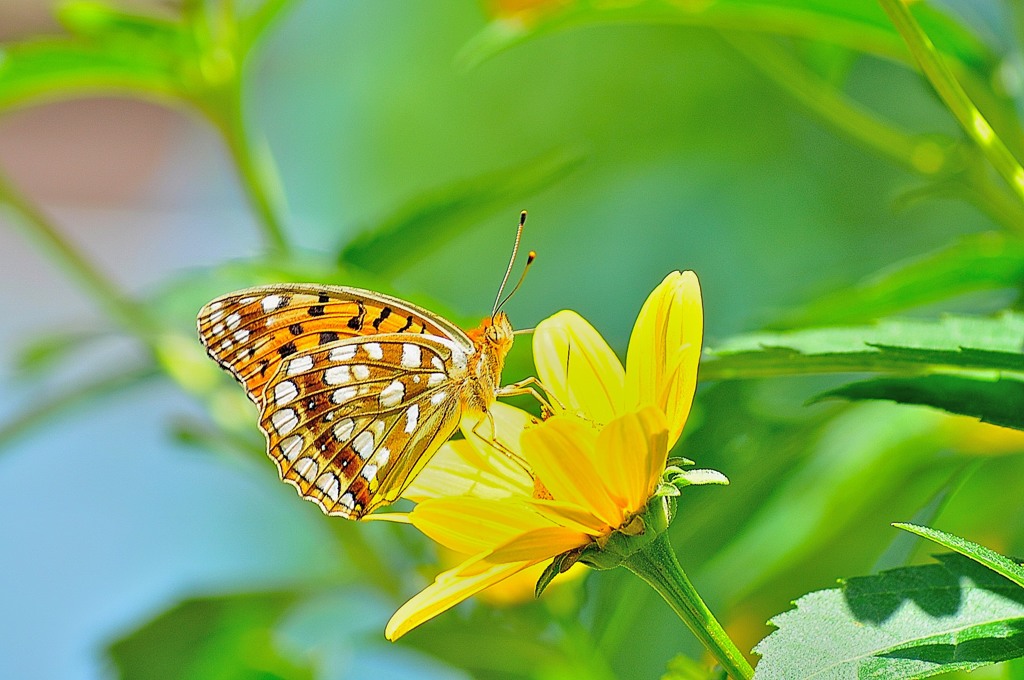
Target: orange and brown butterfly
[[356, 389]]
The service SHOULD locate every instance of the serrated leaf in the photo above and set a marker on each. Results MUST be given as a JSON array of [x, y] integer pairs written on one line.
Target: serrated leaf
[[428, 221], [978, 262], [227, 637], [979, 553], [901, 346], [999, 401], [913, 622], [861, 26]]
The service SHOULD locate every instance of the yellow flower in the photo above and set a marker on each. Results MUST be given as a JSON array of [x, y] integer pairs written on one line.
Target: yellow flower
[[583, 375], [527, 492]]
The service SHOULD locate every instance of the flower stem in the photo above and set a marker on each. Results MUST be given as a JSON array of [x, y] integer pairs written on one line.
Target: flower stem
[[952, 93], [656, 564]]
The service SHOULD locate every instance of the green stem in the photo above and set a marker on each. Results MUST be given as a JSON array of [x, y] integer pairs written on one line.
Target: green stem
[[952, 93], [918, 155], [39, 228], [656, 564], [256, 168]]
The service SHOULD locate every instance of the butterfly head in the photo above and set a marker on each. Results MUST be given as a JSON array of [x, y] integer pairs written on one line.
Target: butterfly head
[[494, 333]]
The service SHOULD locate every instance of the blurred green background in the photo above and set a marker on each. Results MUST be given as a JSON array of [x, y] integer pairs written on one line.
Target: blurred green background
[[143, 531]]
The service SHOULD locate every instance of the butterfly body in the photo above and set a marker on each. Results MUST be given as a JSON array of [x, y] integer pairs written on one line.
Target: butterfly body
[[356, 389]]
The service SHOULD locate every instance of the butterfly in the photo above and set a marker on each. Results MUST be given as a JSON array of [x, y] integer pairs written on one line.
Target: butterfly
[[356, 389]]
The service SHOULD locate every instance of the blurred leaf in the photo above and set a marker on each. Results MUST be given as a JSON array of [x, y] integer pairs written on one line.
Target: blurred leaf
[[859, 25], [46, 410], [979, 553], [430, 220], [46, 352], [217, 638], [999, 401], [977, 262], [913, 622], [682, 667], [901, 549], [862, 457], [908, 346], [107, 51]]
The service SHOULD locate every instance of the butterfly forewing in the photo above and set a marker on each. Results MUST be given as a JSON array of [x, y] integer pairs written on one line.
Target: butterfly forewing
[[356, 389], [251, 332]]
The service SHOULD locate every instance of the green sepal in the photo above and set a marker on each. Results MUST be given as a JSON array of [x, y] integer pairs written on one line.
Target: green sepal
[[559, 565]]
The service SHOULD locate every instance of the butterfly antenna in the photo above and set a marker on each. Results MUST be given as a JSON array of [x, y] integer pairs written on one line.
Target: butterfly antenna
[[529, 260], [511, 262]]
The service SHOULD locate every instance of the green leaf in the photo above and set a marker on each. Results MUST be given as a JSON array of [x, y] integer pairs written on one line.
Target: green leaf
[[428, 221], [978, 262], [913, 622], [902, 346], [979, 553], [46, 352], [860, 25], [228, 638], [999, 401]]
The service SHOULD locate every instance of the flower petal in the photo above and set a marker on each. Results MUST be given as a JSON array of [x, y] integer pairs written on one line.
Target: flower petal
[[472, 525], [569, 515], [578, 367], [447, 590], [664, 350], [463, 468], [499, 436], [631, 455], [561, 453], [539, 544]]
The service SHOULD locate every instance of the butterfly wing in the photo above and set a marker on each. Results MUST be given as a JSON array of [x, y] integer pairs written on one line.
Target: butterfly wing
[[251, 332], [356, 389], [350, 424]]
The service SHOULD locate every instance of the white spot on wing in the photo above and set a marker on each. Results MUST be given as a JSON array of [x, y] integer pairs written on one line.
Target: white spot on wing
[[361, 372], [343, 394], [300, 365], [412, 417], [411, 355], [337, 375], [382, 456], [374, 351], [291, 447], [348, 501], [306, 468], [233, 320], [218, 329], [343, 353], [392, 395], [363, 444], [343, 430], [377, 427], [285, 392], [329, 484], [369, 471], [438, 398], [284, 421], [437, 363], [459, 358], [241, 335], [435, 378], [271, 302]]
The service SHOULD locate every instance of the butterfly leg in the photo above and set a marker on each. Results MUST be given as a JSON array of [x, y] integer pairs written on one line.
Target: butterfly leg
[[492, 440], [529, 386]]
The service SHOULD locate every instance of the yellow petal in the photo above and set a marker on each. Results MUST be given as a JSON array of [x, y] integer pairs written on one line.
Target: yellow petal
[[561, 453], [631, 455], [578, 367], [461, 468], [472, 525], [664, 350], [449, 589], [569, 515], [539, 544], [498, 436]]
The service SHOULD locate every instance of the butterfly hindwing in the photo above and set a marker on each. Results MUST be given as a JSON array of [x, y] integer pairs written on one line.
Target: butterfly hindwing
[[349, 423], [252, 332]]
